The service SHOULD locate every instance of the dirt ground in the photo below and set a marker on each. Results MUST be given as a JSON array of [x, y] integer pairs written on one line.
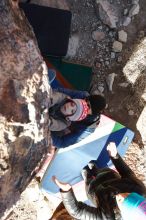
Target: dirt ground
[[124, 105], [119, 105]]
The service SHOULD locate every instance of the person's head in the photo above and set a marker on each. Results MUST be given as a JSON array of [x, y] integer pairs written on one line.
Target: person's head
[[132, 206], [97, 103], [75, 109], [103, 191]]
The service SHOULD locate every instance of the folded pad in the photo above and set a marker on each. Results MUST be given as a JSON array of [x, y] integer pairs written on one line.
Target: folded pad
[[68, 162]]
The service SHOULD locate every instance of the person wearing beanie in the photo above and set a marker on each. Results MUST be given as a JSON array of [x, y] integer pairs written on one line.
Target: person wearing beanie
[[73, 115], [78, 128], [108, 190], [63, 110]]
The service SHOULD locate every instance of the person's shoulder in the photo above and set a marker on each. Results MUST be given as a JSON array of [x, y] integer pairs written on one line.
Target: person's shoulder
[[94, 118]]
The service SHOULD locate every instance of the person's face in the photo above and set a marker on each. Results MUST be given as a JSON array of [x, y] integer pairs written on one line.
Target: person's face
[[69, 108]]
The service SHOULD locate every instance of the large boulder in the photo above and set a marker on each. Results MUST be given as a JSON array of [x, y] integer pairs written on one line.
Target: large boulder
[[24, 99]]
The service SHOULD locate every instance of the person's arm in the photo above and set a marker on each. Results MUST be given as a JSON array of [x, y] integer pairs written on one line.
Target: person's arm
[[123, 169], [74, 94], [79, 210], [70, 139], [76, 209], [58, 125], [57, 97]]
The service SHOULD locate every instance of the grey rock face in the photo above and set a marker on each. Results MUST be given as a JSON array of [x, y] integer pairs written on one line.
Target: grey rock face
[[126, 21], [137, 63], [134, 10], [108, 13], [141, 124]]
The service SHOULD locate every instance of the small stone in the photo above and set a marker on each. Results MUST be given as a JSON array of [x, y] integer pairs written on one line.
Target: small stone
[[141, 34], [144, 95], [107, 63], [131, 112], [135, 2], [122, 36], [111, 34], [110, 80], [126, 21], [124, 85], [98, 35], [100, 27], [119, 59], [113, 55], [98, 65], [125, 11], [108, 13], [111, 109], [73, 45], [101, 89], [117, 46], [134, 10]]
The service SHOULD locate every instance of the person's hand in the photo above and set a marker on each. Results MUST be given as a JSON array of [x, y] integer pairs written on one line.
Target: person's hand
[[63, 186], [67, 131], [51, 151], [112, 149]]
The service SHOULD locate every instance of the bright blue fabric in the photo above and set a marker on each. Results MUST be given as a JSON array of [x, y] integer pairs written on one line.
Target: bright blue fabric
[[51, 75], [69, 162], [133, 200], [133, 207]]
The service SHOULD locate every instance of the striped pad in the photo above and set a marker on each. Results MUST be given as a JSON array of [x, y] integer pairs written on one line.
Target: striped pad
[[68, 162]]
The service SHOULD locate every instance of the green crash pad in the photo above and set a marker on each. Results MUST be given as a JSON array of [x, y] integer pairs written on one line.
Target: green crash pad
[[76, 75]]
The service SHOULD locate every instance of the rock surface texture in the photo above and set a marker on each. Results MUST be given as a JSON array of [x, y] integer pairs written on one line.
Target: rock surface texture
[[24, 92]]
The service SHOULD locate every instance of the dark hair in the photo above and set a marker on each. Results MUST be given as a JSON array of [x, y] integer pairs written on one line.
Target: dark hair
[[97, 102], [55, 112], [107, 201], [102, 189]]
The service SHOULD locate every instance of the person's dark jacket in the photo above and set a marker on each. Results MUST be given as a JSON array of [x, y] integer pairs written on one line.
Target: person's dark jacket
[[107, 181]]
